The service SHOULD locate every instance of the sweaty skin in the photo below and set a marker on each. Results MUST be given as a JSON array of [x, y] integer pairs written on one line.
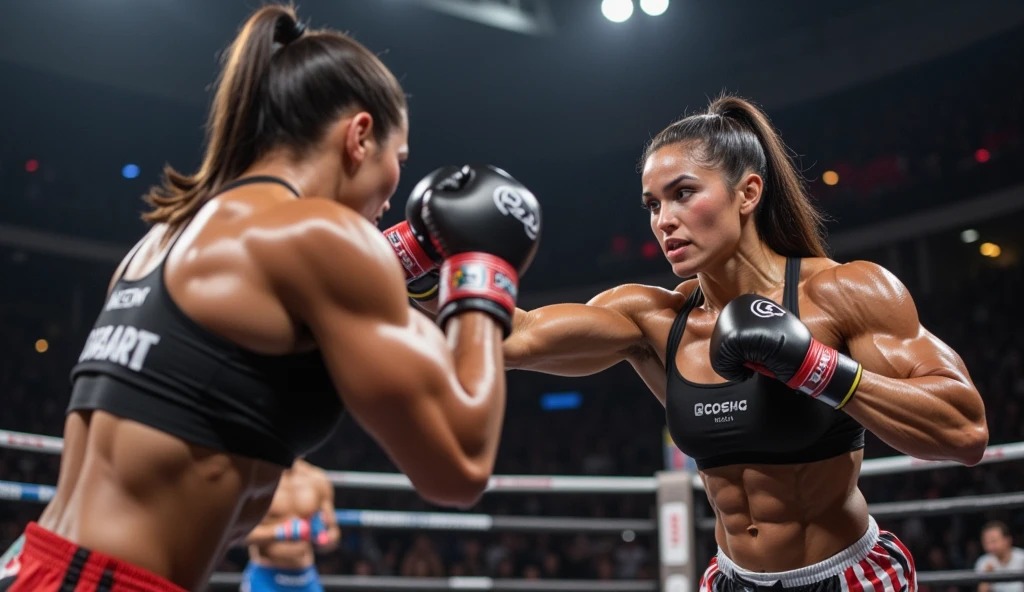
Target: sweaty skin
[[915, 395], [303, 491], [280, 275]]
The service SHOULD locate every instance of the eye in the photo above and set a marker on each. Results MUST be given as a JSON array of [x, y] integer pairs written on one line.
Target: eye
[[651, 205], [684, 192]]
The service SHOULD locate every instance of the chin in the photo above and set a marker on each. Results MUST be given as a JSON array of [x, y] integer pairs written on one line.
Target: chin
[[687, 268]]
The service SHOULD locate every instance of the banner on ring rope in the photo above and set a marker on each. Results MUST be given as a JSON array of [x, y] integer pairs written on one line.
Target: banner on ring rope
[[25, 492]]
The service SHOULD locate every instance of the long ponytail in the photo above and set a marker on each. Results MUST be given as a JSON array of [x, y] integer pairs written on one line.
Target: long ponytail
[[279, 86], [229, 128]]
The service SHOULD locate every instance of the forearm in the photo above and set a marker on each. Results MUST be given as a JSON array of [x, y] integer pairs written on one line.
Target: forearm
[[928, 417], [475, 341], [569, 340], [261, 535]]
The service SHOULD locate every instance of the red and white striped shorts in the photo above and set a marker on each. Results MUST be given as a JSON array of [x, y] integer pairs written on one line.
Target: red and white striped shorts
[[878, 562]]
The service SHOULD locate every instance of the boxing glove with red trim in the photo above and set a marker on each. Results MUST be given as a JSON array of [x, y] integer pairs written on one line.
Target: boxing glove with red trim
[[486, 226], [754, 333], [409, 239], [296, 529]]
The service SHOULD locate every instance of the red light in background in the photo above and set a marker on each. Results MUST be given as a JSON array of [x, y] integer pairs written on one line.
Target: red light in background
[[620, 245], [982, 155], [32, 165], [650, 250]]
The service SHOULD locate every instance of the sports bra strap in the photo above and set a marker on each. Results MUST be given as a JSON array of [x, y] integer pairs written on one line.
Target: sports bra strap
[[259, 179], [791, 292], [675, 334]]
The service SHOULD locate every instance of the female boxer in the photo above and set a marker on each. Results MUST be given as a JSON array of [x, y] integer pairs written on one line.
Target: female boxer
[[261, 302], [769, 361]]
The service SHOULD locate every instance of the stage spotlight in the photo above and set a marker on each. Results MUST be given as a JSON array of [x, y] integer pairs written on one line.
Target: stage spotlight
[[617, 11], [654, 7]]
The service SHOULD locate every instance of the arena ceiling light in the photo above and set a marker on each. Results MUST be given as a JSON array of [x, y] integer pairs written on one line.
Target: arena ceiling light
[[529, 17], [654, 7], [617, 11]]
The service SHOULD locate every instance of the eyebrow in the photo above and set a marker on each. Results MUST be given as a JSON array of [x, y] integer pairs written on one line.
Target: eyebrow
[[671, 184]]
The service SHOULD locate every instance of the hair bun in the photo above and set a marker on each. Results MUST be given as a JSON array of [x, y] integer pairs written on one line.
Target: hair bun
[[288, 30]]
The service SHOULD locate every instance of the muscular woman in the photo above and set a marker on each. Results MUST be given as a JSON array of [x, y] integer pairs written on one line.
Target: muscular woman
[[300, 523], [770, 362], [261, 303]]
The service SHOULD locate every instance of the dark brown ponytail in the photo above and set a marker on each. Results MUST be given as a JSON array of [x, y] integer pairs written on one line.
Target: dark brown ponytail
[[279, 86], [737, 137]]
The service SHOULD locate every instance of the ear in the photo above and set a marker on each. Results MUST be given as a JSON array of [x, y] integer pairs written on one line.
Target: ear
[[750, 189], [354, 137]]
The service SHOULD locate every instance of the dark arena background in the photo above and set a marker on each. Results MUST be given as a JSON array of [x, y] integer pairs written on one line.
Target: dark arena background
[[904, 117]]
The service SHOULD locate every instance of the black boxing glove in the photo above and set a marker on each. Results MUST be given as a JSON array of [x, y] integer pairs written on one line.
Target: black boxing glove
[[754, 333], [486, 226], [409, 239]]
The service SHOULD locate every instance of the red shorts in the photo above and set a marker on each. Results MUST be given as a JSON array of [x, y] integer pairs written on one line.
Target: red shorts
[[50, 563]]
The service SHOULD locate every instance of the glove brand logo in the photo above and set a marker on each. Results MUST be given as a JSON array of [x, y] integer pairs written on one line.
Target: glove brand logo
[[510, 203], [403, 255], [701, 409], [469, 276], [505, 283], [766, 309]]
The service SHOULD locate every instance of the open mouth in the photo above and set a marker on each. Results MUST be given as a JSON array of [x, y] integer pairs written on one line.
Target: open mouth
[[675, 244]]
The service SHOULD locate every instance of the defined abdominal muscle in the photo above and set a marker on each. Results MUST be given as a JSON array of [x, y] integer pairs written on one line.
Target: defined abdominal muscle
[[780, 517]]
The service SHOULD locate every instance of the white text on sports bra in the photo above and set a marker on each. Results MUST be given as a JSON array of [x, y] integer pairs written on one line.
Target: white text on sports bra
[[121, 344], [127, 298]]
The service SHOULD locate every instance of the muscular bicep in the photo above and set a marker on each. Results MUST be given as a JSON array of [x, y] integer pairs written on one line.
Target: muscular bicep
[[576, 339], [391, 366], [393, 374], [883, 331]]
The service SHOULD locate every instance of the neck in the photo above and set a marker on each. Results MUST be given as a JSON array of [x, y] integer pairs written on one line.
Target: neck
[[753, 268], [1004, 557], [311, 177]]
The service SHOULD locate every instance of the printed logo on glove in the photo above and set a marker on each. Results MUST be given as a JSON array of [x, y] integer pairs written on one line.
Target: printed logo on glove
[[510, 203], [754, 333]]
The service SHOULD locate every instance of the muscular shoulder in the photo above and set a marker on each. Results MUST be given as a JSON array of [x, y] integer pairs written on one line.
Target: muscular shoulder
[[320, 248], [636, 301], [859, 293]]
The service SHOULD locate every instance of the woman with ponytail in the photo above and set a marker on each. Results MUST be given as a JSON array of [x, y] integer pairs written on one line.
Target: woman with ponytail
[[262, 303], [770, 361]]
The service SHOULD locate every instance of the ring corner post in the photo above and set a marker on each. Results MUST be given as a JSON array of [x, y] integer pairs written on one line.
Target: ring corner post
[[676, 531]]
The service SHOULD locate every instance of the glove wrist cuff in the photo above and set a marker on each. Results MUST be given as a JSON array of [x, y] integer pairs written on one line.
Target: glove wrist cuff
[[827, 375], [414, 259], [478, 281]]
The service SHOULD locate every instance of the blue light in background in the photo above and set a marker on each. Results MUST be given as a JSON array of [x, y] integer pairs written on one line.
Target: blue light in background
[[554, 401], [130, 171]]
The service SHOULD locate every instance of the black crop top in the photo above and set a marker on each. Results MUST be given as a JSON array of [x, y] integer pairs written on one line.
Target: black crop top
[[146, 361], [756, 421]]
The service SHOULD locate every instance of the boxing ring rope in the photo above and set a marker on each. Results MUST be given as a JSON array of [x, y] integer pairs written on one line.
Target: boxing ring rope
[[673, 526], [554, 483]]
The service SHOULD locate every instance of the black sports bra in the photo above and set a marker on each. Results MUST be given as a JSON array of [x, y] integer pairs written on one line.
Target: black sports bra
[[755, 421], [147, 361]]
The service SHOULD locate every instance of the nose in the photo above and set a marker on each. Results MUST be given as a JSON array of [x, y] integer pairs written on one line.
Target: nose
[[667, 222], [387, 206]]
